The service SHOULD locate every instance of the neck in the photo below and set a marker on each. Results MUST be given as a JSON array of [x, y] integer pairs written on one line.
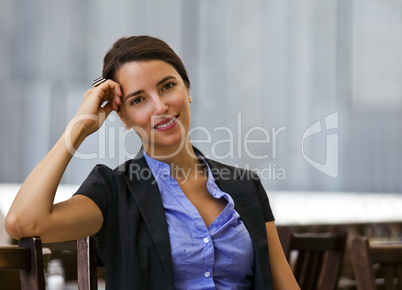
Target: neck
[[183, 161]]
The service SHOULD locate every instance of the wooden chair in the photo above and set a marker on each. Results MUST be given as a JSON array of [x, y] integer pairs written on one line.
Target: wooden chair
[[87, 264], [318, 263], [28, 258], [386, 256]]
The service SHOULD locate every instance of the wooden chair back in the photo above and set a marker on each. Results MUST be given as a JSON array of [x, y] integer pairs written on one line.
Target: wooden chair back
[[317, 265], [26, 257], [87, 264], [386, 256]]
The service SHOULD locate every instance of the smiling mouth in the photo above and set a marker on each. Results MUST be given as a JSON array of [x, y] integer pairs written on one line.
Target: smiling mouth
[[167, 124]]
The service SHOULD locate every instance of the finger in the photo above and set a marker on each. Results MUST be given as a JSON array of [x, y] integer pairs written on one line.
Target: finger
[[117, 89], [108, 108], [115, 94], [108, 92], [117, 102], [105, 93]]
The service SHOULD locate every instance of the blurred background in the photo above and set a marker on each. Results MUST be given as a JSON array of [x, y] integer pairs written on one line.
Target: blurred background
[[307, 93]]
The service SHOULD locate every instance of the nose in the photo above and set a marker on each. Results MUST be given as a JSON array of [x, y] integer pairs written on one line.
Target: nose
[[159, 106]]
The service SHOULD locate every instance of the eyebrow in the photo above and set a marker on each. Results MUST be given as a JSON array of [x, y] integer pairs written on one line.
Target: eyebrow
[[133, 94]]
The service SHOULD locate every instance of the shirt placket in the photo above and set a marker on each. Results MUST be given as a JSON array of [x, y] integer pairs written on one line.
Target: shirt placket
[[209, 254], [201, 236]]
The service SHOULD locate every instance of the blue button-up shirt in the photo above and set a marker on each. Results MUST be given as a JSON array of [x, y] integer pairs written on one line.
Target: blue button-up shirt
[[216, 257]]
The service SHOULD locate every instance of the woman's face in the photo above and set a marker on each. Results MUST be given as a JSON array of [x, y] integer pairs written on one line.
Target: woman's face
[[155, 103]]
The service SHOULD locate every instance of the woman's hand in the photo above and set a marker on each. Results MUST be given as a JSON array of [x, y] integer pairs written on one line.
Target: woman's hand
[[97, 104]]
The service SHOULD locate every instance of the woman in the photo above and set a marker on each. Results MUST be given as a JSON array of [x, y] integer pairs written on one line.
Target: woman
[[170, 218]]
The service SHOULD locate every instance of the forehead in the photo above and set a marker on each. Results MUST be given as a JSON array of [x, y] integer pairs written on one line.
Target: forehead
[[147, 70]]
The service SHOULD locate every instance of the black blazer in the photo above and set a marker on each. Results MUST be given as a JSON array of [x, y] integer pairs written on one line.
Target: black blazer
[[134, 243]]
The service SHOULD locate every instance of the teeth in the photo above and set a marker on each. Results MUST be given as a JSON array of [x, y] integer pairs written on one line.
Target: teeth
[[166, 124]]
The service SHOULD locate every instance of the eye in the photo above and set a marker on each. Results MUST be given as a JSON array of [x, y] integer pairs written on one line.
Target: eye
[[137, 100], [168, 86]]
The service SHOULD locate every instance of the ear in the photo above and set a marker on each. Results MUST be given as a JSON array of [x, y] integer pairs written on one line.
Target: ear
[[189, 97]]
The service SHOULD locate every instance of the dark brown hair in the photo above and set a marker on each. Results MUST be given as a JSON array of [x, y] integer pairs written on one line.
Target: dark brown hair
[[137, 48]]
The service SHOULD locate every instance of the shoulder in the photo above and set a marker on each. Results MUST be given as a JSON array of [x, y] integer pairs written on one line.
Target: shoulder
[[105, 181], [223, 171], [134, 169], [102, 173]]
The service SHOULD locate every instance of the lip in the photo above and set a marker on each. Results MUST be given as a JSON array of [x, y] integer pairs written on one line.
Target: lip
[[166, 123]]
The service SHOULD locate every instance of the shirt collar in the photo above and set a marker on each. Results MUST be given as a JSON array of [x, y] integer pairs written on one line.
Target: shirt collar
[[161, 170]]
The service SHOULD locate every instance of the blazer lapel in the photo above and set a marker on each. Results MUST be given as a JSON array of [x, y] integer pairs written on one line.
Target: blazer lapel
[[238, 184], [229, 180], [146, 194]]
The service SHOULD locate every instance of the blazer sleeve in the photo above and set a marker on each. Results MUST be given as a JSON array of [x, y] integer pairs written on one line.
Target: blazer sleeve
[[99, 186]]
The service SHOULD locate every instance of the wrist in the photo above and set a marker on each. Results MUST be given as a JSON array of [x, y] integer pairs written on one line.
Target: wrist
[[74, 135]]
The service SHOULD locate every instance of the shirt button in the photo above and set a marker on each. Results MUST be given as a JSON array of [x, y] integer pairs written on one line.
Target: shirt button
[[207, 274], [206, 240]]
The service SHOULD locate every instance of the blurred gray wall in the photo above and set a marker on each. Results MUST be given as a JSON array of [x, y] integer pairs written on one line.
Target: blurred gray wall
[[313, 87]]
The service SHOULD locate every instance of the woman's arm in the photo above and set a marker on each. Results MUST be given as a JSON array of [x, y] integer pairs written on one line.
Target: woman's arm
[[32, 212], [281, 273]]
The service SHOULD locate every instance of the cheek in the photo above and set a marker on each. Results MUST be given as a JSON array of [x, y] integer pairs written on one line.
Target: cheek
[[140, 123], [141, 131], [140, 120]]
